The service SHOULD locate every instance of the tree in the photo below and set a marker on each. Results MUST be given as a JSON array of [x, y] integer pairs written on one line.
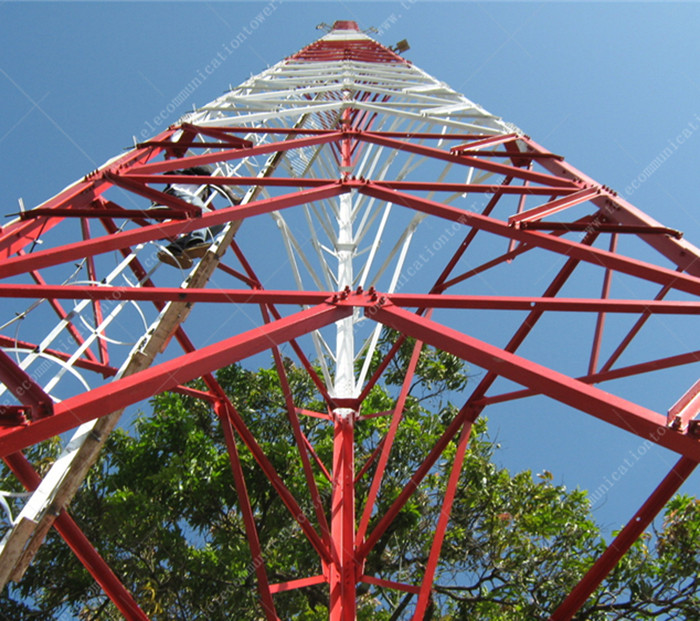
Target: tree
[[162, 509]]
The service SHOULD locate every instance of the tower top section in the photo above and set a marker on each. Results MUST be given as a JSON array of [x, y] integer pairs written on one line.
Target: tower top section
[[343, 24], [345, 41]]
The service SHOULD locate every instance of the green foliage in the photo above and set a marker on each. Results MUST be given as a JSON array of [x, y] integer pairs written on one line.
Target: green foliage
[[162, 509]]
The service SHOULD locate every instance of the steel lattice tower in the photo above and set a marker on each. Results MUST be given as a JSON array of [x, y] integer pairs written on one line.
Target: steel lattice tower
[[354, 169]]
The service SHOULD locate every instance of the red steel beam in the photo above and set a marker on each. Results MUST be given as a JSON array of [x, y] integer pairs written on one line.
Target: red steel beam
[[600, 321], [634, 330], [188, 137], [520, 303], [318, 382], [63, 316], [390, 584], [375, 453], [624, 540], [570, 227], [467, 160], [428, 463], [17, 235], [227, 408], [440, 284], [530, 321], [686, 408], [533, 316], [193, 392], [619, 210], [247, 513], [411, 486], [436, 547], [192, 130], [517, 158], [485, 142], [165, 294], [344, 570], [97, 367], [609, 408], [96, 306], [158, 197], [258, 454], [301, 583], [300, 438], [293, 131], [605, 376], [388, 442], [553, 207], [113, 211], [282, 490], [596, 256], [480, 188], [469, 238], [521, 207], [504, 258], [371, 382], [306, 182], [125, 391], [24, 388], [314, 454], [467, 413], [238, 275], [184, 145], [117, 241], [235, 154]]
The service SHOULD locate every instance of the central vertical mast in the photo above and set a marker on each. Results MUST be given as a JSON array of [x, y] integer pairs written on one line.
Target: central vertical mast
[[343, 578], [345, 343]]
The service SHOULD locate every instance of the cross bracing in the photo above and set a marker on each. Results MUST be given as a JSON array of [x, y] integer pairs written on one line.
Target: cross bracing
[[361, 193]]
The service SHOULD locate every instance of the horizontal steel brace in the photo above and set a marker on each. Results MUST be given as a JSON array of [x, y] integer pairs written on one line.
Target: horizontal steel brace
[[239, 153], [297, 584], [271, 296], [466, 160], [313, 182], [117, 241], [165, 294], [568, 248], [593, 305], [102, 212], [299, 131]]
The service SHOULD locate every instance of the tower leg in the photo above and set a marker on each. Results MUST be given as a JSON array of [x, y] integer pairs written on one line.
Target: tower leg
[[627, 536], [343, 569]]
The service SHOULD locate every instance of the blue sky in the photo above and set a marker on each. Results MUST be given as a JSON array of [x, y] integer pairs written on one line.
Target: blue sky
[[608, 85]]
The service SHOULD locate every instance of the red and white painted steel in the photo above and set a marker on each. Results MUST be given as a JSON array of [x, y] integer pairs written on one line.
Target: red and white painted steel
[[389, 200]]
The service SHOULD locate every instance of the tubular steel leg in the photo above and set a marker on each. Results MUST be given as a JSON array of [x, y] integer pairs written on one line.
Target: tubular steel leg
[[343, 569], [628, 535]]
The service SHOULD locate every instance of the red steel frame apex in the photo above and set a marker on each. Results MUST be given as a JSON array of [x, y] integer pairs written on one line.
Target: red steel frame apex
[[390, 201]]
